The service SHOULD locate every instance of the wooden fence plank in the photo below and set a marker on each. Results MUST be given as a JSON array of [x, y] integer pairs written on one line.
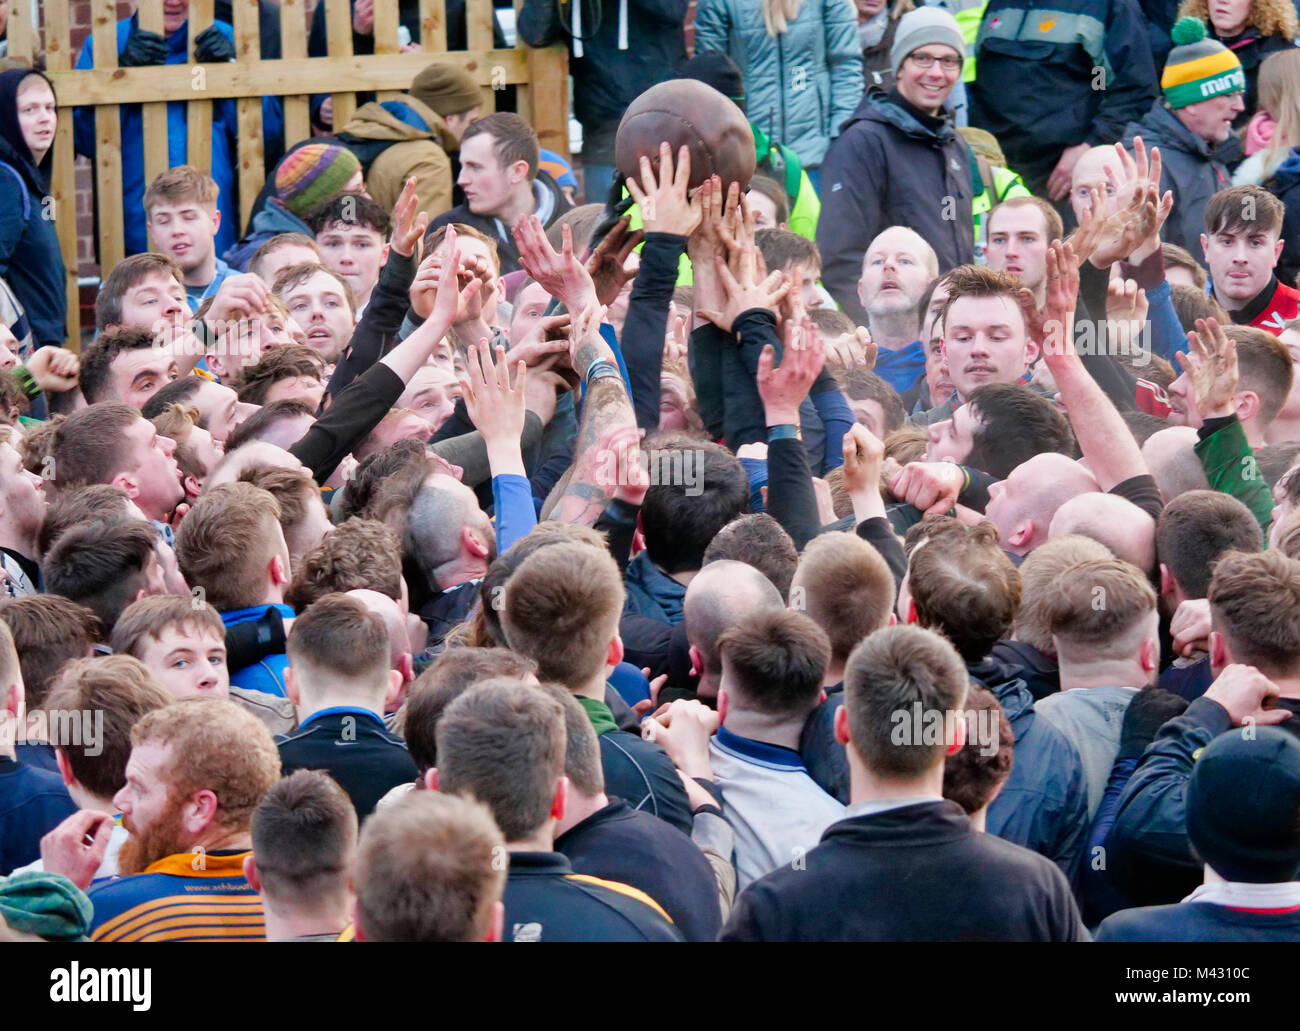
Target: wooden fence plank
[[478, 20], [339, 23], [22, 37], [63, 181], [293, 43], [548, 97], [108, 156], [281, 78], [248, 109], [198, 113], [157, 154], [433, 26]]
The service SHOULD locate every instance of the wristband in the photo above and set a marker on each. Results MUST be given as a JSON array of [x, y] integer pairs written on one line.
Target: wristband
[[27, 381], [786, 431], [602, 367]]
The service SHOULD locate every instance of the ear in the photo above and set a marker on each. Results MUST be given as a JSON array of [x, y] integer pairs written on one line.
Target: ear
[[431, 778], [842, 725], [193, 487], [216, 222], [472, 543], [14, 699], [126, 483], [561, 796], [250, 873], [383, 260], [200, 812], [396, 689], [217, 366], [406, 665], [1166, 582], [1022, 534], [498, 927], [65, 767], [356, 924], [1219, 657], [1149, 654], [1032, 351], [911, 611], [519, 172], [958, 737], [1277, 251], [1247, 402], [278, 570], [614, 655], [1205, 243], [291, 686], [723, 704], [697, 661]]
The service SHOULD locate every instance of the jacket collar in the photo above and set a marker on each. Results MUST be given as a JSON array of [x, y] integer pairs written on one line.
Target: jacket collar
[[208, 864], [539, 864], [774, 757], [923, 824], [876, 106]]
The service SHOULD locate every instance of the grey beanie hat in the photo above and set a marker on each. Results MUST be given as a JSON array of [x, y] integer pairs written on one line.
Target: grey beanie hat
[[920, 27]]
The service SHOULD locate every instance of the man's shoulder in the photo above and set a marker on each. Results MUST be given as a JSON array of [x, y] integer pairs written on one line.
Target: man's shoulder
[[169, 906], [569, 906]]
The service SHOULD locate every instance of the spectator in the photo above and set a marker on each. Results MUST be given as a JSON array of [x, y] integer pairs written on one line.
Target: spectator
[[180, 208], [304, 834], [896, 269], [503, 743], [1019, 230], [22, 509], [428, 871], [122, 364], [280, 251], [340, 679], [1253, 30], [30, 260], [899, 161], [1194, 134], [1242, 254], [901, 844], [973, 776], [352, 237], [105, 567], [138, 48], [810, 44]]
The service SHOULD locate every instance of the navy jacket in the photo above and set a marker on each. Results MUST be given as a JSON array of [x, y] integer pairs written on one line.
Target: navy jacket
[[623, 844], [918, 873], [32, 803], [352, 746], [1044, 804], [652, 593], [1285, 185], [547, 901], [888, 168], [30, 259], [1199, 922], [1037, 89], [640, 772]]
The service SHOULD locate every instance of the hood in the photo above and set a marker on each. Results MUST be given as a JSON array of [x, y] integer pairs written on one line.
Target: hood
[[653, 593], [275, 218], [876, 106], [1010, 690], [399, 121], [13, 148], [1287, 173]]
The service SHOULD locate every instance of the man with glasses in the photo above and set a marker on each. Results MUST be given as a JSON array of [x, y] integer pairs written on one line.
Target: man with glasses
[[900, 161]]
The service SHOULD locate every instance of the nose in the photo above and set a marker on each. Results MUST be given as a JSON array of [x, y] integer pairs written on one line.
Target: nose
[[936, 430], [168, 445], [996, 489], [120, 803], [37, 482], [980, 345], [243, 410]]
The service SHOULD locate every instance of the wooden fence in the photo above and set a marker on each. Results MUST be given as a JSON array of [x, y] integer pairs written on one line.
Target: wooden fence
[[540, 75]]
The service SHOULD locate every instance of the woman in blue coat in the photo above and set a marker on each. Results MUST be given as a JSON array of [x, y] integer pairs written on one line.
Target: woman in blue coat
[[801, 61], [30, 261]]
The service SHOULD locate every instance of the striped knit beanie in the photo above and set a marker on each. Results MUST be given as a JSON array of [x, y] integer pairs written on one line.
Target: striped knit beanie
[[1198, 68], [311, 175]]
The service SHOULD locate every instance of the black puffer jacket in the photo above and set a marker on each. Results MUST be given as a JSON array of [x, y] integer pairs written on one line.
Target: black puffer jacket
[[888, 168]]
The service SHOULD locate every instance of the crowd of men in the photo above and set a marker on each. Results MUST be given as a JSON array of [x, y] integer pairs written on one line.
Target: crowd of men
[[444, 560]]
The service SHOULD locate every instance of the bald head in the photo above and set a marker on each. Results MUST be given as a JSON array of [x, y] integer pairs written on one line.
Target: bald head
[[897, 268], [1091, 171], [1171, 456], [1114, 521], [390, 612], [1022, 506], [723, 595]]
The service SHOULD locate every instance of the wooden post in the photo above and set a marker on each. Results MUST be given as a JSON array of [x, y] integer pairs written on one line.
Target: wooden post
[[198, 113], [433, 26], [63, 185], [157, 154], [108, 141], [548, 97], [339, 36], [478, 31], [22, 39], [252, 166], [293, 43], [386, 42]]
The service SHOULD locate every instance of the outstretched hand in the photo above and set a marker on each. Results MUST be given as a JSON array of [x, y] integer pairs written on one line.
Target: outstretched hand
[[409, 222], [560, 275], [610, 265], [1211, 362], [493, 405], [783, 389], [666, 206]]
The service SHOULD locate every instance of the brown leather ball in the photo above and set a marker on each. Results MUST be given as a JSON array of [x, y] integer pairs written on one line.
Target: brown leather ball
[[686, 112]]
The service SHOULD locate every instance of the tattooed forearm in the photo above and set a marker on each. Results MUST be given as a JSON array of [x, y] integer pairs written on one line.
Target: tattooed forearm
[[607, 407]]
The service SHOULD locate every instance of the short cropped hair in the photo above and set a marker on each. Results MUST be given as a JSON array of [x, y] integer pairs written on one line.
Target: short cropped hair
[[304, 835], [782, 250], [757, 540], [1015, 423], [101, 566], [888, 675], [127, 274], [513, 139], [1198, 528], [49, 631], [680, 520], [1243, 209], [1255, 604], [582, 762], [973, 774], [982, 281], [225, 543], [97, 359], [87, 445], [1095, 605], [97, 502], [452, 673], [1266, 368], [339, 636], [293, 490], [362, 554], [1180, 257], [562, 608], [181, 183], [964, 586], [846, 588], [1051, 218], [153, 616], [295, 275], [277, 242], [124, 691], [289, 361], [861, 384], [503, 743], [1037, 573], [350, 209], [775, 662], [1191, 304], [429, 869]]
